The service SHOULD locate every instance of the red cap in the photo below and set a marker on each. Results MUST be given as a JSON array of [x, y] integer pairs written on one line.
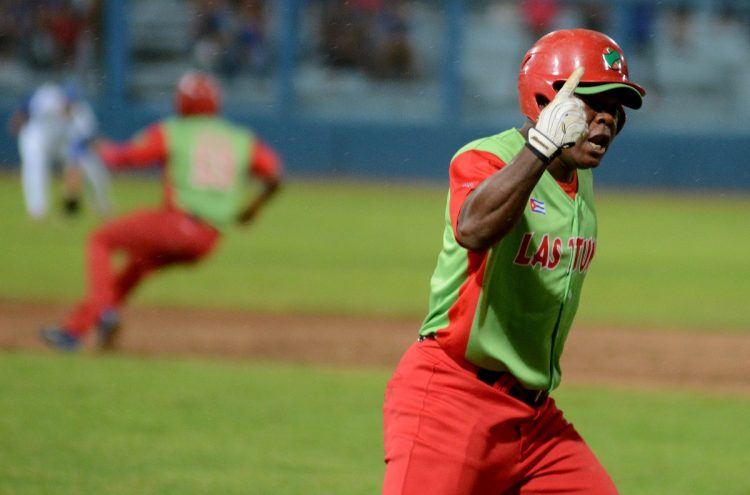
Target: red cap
[[197, 93], [555, 56]]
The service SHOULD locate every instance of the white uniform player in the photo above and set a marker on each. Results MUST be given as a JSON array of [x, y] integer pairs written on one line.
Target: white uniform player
[[57, 128]]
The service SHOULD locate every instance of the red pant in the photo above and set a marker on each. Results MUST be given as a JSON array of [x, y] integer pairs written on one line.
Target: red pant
[[448, 433], [150, 240]]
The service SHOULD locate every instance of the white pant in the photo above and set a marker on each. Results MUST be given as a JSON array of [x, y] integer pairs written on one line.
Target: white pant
[[42, 147]]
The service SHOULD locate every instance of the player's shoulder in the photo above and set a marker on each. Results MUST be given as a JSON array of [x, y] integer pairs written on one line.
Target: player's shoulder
[[505, 144]]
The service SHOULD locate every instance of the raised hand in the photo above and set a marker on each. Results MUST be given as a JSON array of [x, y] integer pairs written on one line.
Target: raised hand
[[561, 123]]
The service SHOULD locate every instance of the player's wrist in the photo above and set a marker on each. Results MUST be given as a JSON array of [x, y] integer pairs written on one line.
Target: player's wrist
[[543, 147]]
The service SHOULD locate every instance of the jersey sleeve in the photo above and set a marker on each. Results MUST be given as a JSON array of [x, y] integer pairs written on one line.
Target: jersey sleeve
[[467, 171], [147, 148], [264, 161]]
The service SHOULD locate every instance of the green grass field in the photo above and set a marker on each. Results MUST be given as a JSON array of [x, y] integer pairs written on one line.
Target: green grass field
[[662, 261], [111, 424], [119, 425]]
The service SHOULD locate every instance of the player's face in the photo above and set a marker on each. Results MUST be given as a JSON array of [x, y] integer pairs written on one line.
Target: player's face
[[602, 114]]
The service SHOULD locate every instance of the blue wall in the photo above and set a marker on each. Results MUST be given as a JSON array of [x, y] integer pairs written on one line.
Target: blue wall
[[638, 159]]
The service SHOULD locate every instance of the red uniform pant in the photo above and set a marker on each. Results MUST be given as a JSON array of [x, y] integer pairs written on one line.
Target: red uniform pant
[[149, 240], [448, 433]]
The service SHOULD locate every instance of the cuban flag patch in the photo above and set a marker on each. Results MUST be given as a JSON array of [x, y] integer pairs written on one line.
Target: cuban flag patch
[[537, 206]]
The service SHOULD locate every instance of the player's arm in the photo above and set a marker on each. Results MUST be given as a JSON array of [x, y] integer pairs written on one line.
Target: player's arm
[[146, 149], [18, 118], [267, 168], [496, 205]]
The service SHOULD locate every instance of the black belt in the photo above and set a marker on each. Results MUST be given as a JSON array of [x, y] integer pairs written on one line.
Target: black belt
[[529, 397], [533, 398]]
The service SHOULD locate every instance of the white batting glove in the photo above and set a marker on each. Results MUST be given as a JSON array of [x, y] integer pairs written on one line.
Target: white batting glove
[[561, 123]]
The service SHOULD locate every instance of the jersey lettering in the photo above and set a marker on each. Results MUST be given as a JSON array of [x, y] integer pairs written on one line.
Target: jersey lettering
[[556, 252], [548, 253], [541, 257], [589, 255], [521, 258]]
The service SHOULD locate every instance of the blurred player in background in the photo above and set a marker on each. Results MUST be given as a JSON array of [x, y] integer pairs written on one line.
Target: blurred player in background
[[56, 127], [468, 409], [207, 166]]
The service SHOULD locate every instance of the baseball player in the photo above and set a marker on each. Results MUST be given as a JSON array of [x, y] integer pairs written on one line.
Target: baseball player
[[56, 127], [468, 408], [207, 166]]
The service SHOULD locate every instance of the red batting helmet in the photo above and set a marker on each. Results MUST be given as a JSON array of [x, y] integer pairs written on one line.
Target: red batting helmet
[[553, 58], [197, 93]]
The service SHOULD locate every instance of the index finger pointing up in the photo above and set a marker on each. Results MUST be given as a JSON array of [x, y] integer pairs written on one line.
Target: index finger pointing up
[[572, 83]]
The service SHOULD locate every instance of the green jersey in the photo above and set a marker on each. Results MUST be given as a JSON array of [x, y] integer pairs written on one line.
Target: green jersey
[[510, 308], [207, 170]]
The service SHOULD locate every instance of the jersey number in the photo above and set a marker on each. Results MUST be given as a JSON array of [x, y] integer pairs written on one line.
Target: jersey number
[[213, 162]]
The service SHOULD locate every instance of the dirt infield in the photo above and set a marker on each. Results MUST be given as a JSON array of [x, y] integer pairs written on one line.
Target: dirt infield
[[631, 358]]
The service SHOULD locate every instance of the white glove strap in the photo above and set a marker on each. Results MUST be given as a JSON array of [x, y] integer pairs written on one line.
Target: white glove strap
[[542, 146]]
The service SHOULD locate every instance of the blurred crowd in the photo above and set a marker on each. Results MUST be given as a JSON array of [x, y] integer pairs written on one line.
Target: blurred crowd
[[230, 36], [368, 35], [684, 43], [54, 35]]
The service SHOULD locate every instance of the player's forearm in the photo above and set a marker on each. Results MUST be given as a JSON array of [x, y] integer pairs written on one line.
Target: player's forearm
[[270, 188], [493, 209]]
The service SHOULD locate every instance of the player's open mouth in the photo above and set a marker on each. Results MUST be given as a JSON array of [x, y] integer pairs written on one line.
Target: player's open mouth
[[596, 147], [598, 143]]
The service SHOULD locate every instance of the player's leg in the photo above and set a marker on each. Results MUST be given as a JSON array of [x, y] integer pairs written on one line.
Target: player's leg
[[130, 276], [159, 239], [559, 460], [72, 187], [185, 246], [72, 174], [97, 301], [35, 170], [152, 240], [445, 431], [149, 239], [98, 179], [102, 245]]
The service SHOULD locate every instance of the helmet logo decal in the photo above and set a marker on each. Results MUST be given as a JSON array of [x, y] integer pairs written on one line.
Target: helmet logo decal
[[612, 59]]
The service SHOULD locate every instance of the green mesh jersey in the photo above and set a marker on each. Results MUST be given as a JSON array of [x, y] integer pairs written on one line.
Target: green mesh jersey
[[510, 308], [208, 166]]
